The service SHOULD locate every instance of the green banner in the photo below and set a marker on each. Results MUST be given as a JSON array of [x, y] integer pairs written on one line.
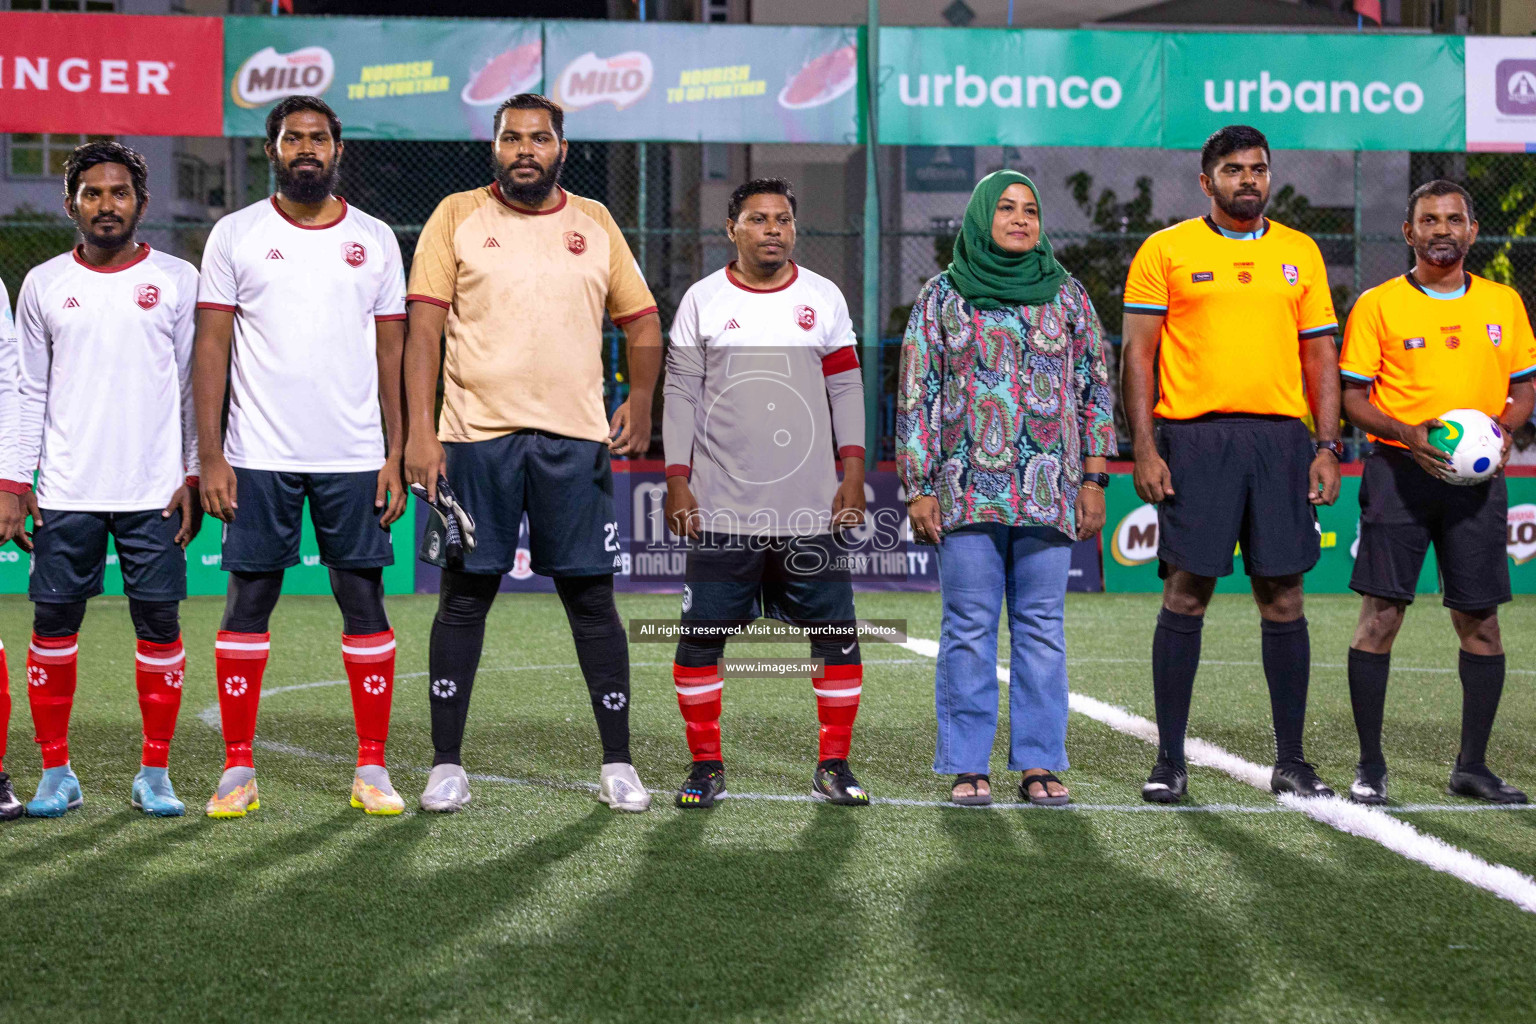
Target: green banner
[[387, 78], [982, 87], [1317, 91], [1131, 543], [205, 577], [715, 83]]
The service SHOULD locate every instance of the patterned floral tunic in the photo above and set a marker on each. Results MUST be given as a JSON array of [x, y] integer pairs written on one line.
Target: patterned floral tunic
[[996, 409]]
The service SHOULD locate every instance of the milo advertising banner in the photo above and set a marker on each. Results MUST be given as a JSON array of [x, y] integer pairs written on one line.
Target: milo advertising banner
[[1131, 543], [710, 83], [387, 78]]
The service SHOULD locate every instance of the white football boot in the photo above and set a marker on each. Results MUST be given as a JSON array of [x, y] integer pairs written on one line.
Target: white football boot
[[447, 789], [621, 789]]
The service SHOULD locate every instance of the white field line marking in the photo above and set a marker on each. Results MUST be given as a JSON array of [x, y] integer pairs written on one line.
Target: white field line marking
[[1315, 664], [209, 716], [1369, 823]]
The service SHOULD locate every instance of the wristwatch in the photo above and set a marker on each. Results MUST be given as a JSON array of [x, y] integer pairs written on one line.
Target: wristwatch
[[1102, 479], [1336, 447]]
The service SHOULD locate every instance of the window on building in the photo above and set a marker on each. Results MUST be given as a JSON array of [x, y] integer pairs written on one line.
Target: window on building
[[38, 155]]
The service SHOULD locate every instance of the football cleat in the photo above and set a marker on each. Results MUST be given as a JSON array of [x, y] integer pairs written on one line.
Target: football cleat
[[705, 784], [1370, 785], [834, 783], [10, 807], [447, 789], [452, 534], [1298, 777], [235, 796], [372, 792], [1168, 783], [621, 789], [57, 793], [154, 795], [1476, 781]]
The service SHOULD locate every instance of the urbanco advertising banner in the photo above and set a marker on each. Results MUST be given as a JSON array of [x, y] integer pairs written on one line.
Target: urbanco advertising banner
[[1316, 91], [959, 87], [110, 74], [705, 83], [1501, 93], [386, 78], [1131, 543]]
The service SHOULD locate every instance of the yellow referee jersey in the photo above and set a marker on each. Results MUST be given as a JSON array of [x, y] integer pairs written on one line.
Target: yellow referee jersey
[[1424, 356], [1235, 314]]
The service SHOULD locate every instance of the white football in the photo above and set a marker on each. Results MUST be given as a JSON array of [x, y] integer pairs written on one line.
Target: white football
[[1472, 441]]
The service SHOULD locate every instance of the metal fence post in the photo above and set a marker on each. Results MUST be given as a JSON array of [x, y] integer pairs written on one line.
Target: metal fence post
[[872, 331]]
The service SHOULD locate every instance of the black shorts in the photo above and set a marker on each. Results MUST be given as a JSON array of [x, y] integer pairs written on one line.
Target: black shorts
[[564, 484], [1237, 480], [69, 559], [269, 521], [1403, 510], [731, 581]]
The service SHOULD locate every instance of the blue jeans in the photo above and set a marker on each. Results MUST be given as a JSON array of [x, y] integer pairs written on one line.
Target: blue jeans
[[978, 566]]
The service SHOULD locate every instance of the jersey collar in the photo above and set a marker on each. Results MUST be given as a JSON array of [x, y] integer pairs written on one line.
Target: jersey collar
[[1216, 228], [311, 227], [504, 201], [794, 275], [143, 255], [1466, 285]]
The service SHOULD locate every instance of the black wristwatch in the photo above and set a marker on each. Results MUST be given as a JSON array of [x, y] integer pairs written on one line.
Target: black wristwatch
[[1336, 447], [1102, 479]]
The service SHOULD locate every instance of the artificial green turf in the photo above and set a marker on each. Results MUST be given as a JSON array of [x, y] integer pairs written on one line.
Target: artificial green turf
[[538, 904]]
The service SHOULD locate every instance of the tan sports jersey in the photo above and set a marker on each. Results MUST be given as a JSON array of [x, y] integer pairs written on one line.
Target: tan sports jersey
[[525, 292]]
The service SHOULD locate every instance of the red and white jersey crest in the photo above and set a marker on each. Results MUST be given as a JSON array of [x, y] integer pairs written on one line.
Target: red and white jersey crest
[[576, 242], [805, 316], [146, 295], [354, 253]]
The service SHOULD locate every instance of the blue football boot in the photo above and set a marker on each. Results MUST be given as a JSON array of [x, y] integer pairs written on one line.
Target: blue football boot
[[153, 794], [58, 792]]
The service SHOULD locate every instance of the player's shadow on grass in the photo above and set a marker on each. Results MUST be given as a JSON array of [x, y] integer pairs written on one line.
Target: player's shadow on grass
[[702, 930], [1029, 919], [1367, 929]]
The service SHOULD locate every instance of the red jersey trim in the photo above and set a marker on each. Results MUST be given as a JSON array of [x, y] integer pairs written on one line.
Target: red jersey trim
[[504, 201], [851, 451], [312, 227], [429, 298], [218, 306], [14, 487], [840, 361], [391, 316], [680, 470], [794, 275], [621, 321], [140, 258]]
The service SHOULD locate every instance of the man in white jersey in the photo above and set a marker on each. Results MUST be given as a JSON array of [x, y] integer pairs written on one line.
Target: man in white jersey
[[762, 375], [15, 501], [105, 362], [302, 308]]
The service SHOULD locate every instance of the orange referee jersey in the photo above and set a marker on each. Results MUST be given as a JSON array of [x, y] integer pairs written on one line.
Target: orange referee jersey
[[1424, 356], [1235, 314]]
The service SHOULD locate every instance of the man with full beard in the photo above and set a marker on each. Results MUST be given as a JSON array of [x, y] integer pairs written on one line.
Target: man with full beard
[[520, 272], [302, 308], [1229, 332], [1436, 338]]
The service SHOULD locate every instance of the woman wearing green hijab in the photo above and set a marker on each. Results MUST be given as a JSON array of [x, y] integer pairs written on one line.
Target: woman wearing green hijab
[[1003, 425]]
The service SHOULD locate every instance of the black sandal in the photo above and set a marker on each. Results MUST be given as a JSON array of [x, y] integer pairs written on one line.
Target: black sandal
[[977, 799], [1046, 800]]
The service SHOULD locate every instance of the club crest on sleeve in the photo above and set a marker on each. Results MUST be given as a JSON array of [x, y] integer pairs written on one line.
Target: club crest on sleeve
[[1292, 275], [354, 253], [576, 242], [147, 296], [1495, 334], [805, 316]]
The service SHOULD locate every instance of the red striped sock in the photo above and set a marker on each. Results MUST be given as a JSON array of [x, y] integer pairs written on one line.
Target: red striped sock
[[239, 661], [370, 662], [160, 669], [5, 705], [837, 705], [51, 692], [698, 697]]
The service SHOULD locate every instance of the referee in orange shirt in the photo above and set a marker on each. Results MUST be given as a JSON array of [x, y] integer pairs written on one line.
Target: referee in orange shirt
[[1436, 338], [1229, 332]]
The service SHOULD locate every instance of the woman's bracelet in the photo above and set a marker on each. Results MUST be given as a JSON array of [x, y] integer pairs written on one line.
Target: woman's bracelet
[[1092, 483]]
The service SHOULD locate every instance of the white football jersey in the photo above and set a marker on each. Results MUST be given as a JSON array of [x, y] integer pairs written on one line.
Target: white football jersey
[[304, 372], [10, 468], [105, 381]]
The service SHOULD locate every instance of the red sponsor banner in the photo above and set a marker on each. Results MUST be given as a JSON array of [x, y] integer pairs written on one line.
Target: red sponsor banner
[[111, 74]]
